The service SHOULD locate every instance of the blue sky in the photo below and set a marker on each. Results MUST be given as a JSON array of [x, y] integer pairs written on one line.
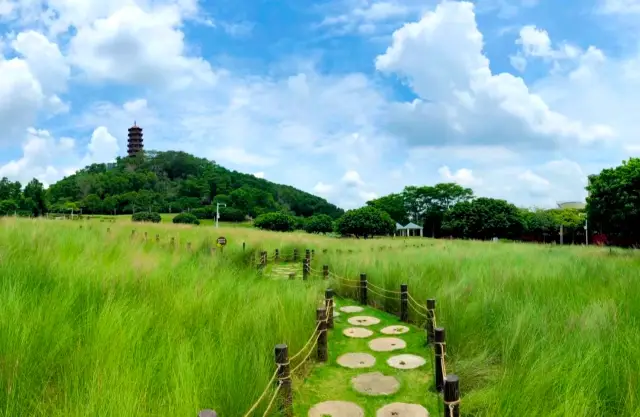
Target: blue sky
[[347, 99]]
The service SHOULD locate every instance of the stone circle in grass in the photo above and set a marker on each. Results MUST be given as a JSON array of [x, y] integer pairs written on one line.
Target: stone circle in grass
[[336, 314], [336, 409], [357, 332], [356, 360], [363, 320], [395, 330], [406, 361], [351, 309], [375, 383], [387, 344], [402, 410]]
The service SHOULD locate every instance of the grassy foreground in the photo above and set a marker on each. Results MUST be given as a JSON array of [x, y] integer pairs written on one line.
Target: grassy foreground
[[94, 323]]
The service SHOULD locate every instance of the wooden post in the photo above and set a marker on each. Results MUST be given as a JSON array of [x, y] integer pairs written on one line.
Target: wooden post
[[313, 253], [404, 303], [277, 255], [321, 316], [157, 238], [108, 230], [431, 320], [243, 246], [263, 258], [324, 251], [292, 275], [307, 254], [325, 271], [133, 232], [305, 268], [295, 254], [363, 289], [145, 236], [284, 378], [207, 413], [328, 303], [440, 352], [173, 242], [189, 246], [451, 396]]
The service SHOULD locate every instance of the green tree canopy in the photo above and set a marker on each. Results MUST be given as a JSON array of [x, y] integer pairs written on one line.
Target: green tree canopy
[[484, 218], [366, 221], [277, 222], [320, 223]]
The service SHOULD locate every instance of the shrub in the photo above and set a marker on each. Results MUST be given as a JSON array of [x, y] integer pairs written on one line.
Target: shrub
[[144, 216], [366, 221], [230, 214], [279, 222], [186, 218], [320, 223]]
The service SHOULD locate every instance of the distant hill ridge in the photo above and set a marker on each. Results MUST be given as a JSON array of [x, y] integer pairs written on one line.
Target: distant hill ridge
[[174, 181]]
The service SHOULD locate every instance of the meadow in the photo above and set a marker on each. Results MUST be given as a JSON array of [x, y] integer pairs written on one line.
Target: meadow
[[97, 322]]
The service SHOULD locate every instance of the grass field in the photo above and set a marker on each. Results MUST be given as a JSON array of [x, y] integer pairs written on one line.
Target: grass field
[[166, 218], [99, 323]]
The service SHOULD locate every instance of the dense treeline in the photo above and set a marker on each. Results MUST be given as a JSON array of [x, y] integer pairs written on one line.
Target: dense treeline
[[164, 182]]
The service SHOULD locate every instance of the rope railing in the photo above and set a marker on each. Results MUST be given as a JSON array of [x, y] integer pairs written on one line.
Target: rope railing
[[264, 393]]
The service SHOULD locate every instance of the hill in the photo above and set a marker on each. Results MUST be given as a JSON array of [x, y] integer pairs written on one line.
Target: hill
[[169, 182]]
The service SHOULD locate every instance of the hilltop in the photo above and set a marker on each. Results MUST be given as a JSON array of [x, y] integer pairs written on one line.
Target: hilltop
[[174, 181]]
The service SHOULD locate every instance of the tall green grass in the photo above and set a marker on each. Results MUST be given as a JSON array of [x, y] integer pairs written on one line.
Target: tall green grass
[[97, 323]]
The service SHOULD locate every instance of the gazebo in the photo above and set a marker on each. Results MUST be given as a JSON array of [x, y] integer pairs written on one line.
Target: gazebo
[[410, 229]]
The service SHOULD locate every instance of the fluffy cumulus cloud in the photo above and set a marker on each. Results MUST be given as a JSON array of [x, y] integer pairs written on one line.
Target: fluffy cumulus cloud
[[339, 135]]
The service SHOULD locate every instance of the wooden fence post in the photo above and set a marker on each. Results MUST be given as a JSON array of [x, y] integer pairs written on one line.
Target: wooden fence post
[[363, 289], [404, 303], [324, 250], [276, 256], [292, 275], [321, 316], [295, 254], [328, 301], [284, 378], [305, 268], [325, 271], [431, 320], [451, 396], [173, 242], [440, 352], [108, 230], [189, 246], [133, 232], [158, 241], [207, 413], [313, 253], [145, 236], [243, 246], [307, 254], [263, 258]]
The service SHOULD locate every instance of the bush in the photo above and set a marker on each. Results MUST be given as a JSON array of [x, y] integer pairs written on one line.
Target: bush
[[186, 218], [366, 221], [279, 222], [144, 216], [230, 214], [320, 223]]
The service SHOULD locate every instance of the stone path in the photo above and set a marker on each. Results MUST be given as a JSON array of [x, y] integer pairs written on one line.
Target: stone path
[[377, 367]]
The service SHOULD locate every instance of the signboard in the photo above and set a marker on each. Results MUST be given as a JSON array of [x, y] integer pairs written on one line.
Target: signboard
[[222, 241]]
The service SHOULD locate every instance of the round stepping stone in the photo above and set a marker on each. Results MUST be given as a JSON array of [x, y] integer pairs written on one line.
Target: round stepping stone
[[356, 360], [402, 410], [336, 409], [375, 383], [336, 314], [387, 344], [351, 309], [395, 330], [406, 361], [363, 320], [357, 332]]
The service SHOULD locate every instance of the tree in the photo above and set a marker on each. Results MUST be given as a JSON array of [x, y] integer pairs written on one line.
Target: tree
[[278, 222], [186, 218], [613, 205], [145, 216], [320, 223], [8, 207], [484, 218], [394, 205], [91, 204], [35, 192], [366, 221]]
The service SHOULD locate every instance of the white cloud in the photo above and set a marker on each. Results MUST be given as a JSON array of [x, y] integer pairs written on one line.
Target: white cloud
[[259, 174], [323, 189], [466, 102], [103, 147], [620, 6], [463, 176], [135, 46], [352, 179]]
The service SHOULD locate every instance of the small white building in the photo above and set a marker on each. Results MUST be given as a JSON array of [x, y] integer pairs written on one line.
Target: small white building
[[410, 229]]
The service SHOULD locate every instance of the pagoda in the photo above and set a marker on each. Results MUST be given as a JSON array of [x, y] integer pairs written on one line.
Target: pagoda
[[134, 143]]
